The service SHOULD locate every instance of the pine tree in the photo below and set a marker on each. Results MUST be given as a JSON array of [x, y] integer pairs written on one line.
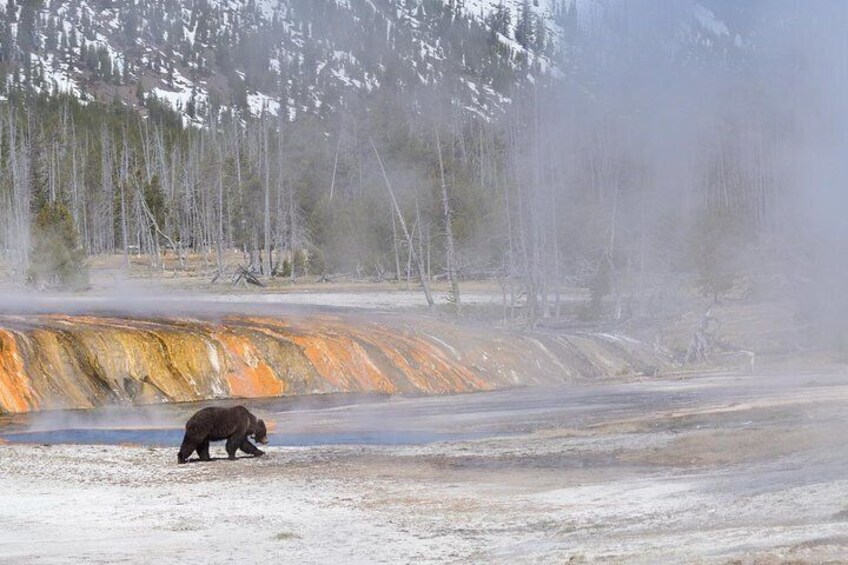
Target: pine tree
[[27, 26], [57, 258], [154, 198], [524, 27], [498, 23]]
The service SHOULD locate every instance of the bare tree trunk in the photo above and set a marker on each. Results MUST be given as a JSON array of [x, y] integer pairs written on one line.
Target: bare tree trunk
[[421, 236], [451, 252], [292, 225], [123, 183], [335, 167], [409, 259], [424, 283], [220, 235], [429, 272], [266, 224], [395, 247], [611, 250], [281, 231]]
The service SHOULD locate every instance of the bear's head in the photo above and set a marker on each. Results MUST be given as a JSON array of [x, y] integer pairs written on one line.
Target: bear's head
[[261, 432]]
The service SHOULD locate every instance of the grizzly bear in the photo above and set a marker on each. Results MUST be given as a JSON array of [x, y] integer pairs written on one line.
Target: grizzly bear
[[215, 424]]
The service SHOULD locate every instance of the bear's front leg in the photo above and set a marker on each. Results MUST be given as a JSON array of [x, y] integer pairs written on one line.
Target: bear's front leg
[[233, 443], [251, 449]]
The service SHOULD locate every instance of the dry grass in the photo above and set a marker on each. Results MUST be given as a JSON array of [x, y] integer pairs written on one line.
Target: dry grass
[[286, 536], [197, 270]]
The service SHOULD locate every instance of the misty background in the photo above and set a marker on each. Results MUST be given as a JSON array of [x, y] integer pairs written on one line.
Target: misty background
[[665, 156]]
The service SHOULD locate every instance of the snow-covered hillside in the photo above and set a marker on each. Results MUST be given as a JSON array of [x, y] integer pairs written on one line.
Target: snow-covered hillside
[[296, 57]]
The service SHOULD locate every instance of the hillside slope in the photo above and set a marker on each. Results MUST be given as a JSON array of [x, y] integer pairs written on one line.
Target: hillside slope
[[205, 57], [302, 56]]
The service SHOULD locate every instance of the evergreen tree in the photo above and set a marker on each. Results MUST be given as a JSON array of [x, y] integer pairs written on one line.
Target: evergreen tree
[[498, 23], [57, 258], [719, 237], [154, 198], [524, 27], [28, 26]]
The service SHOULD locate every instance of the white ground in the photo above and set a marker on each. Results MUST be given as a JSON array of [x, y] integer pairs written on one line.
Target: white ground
[[706, 470], [146, 301]]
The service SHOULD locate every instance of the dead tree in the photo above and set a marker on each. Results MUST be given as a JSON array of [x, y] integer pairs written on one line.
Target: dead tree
[[449, 243], [703, 338], [424, 284], [245, 276]]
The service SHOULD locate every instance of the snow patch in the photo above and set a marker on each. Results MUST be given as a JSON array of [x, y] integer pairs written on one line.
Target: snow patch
[[709, 21]]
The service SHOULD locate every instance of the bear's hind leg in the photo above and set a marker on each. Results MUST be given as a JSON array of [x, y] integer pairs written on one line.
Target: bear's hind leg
[[251, 449], [203, 451]]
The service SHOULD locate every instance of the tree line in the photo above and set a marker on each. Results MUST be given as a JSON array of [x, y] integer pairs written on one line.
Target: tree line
[[602, 176]]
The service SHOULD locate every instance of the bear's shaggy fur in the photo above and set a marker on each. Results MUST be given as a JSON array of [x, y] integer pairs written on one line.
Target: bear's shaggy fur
[[215, 424]]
